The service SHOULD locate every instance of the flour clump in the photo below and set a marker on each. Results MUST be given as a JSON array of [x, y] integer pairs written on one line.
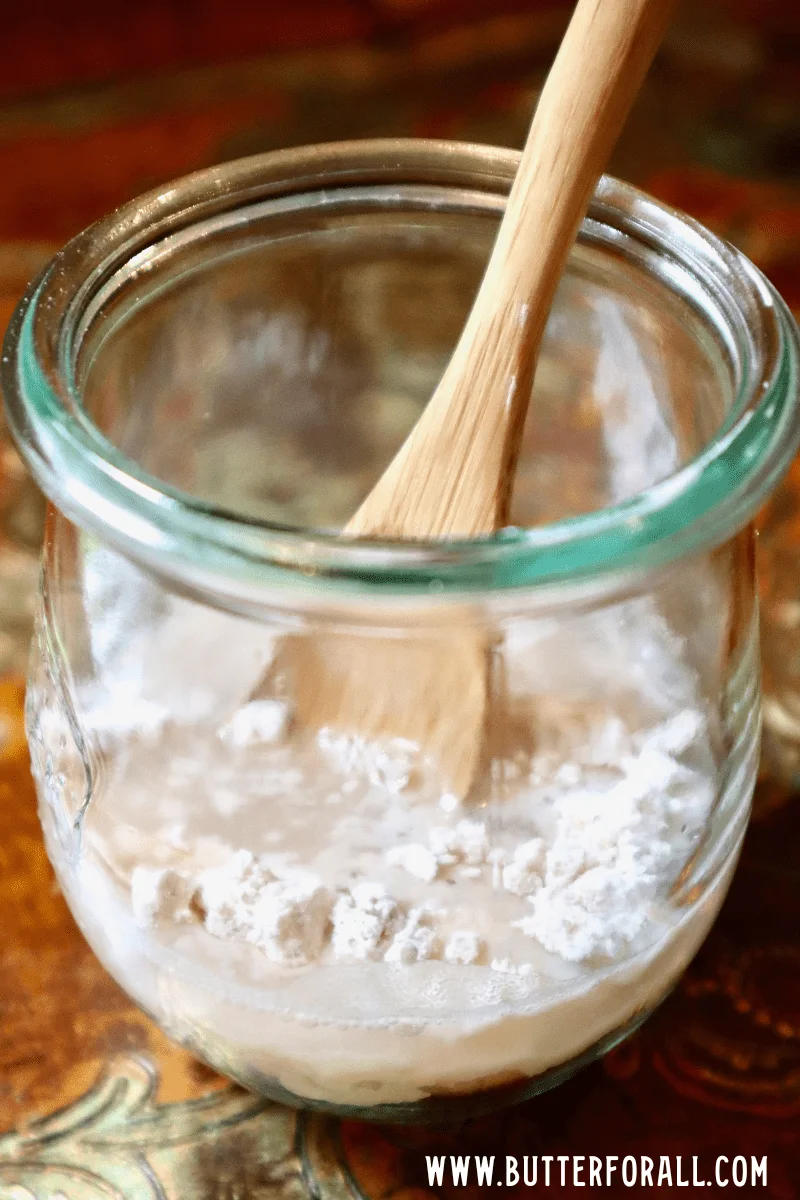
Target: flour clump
[[362, 920]]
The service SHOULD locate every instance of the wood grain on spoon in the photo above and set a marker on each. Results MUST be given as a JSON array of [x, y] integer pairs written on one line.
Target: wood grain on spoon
[[453, 476]]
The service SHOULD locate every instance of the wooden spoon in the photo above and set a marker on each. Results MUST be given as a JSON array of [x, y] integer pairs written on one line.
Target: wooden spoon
[[453, 476]]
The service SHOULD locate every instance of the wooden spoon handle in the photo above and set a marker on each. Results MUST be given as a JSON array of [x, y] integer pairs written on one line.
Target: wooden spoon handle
[[599, 69], [595, 78], [454, 474]]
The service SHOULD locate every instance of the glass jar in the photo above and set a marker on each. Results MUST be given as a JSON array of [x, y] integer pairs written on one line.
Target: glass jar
[[206, 384]]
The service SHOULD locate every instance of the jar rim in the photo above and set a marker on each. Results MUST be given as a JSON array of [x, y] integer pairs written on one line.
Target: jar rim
[[201, 547]]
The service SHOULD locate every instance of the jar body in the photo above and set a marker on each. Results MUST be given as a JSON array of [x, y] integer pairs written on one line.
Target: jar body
[[325, 916], [505, 934]]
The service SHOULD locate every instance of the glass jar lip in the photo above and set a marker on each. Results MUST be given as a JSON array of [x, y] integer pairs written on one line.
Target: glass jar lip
[[190, 541]]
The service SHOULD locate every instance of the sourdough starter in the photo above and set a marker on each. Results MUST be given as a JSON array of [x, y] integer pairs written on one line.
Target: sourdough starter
[[319, 911]]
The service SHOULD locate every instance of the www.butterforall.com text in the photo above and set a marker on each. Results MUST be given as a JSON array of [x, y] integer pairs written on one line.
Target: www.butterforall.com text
[[590, 1170]]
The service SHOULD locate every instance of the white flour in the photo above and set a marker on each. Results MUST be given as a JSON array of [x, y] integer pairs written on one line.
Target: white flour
[[617, 828], [265, 890]]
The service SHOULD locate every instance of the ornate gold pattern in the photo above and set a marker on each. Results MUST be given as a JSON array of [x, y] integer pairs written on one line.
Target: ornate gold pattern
[[116, 1141]]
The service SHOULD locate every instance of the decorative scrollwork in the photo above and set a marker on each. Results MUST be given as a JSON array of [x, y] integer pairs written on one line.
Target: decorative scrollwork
[[117, 1142]]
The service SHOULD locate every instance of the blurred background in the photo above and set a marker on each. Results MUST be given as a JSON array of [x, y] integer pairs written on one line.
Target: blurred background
[[100, 101]]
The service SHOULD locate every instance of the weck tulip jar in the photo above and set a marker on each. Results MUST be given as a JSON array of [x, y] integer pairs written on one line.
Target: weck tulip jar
[[206, 384]]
